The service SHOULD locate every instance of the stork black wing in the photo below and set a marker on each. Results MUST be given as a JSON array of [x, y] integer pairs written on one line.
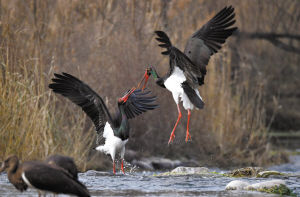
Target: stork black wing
[[208, 39], [179, 59], [138, 102], [81, 94]]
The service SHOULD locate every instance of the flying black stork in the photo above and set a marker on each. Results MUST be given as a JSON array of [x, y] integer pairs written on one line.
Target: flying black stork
[[41, 176], [187, 70], [115, 129]]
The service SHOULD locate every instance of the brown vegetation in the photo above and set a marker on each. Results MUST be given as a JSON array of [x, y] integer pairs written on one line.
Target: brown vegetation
[[108, 44]]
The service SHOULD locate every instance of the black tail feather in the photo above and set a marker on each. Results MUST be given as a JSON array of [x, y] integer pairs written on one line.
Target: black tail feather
[[192, 95]]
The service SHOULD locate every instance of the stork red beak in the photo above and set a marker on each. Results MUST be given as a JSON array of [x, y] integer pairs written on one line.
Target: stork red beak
[[145, 77], [125, 98]]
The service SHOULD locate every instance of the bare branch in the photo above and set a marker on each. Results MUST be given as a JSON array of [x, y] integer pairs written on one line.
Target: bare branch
[[274, 39]]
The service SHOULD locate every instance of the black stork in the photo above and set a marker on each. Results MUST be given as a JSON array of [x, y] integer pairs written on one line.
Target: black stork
[[65, 162], [41, 176], [187, 70], [115, 129]]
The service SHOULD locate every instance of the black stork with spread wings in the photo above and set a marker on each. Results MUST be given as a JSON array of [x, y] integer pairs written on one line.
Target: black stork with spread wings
[[115, 129], [187, 70]]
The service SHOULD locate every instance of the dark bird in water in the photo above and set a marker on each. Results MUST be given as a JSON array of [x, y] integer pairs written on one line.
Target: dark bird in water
[[115, 129], [65, 162], [187, 70], [41, 176]]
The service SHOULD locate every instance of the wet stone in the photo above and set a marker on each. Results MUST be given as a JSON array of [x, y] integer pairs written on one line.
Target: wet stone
[[237, 185], [274, 186], [155, 163], [245, 172], [266, 174]]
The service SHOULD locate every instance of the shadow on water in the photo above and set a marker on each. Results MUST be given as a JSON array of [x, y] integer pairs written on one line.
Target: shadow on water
[[145, 184]]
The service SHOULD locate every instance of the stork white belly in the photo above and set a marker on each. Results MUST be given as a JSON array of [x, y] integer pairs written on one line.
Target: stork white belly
[[112, 143], [173, 84]]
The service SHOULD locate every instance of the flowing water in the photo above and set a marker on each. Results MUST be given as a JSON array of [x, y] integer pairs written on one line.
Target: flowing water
[[145, 184]]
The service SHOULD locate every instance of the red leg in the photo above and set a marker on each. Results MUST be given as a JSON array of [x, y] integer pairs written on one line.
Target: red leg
[[172, 136], [187, 128], [122, 166], [114, 167]]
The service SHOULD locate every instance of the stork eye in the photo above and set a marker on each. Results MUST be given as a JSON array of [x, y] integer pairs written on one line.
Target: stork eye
[[189, 51]]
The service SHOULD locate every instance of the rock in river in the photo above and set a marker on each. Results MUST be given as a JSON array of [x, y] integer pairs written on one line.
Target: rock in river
[[274, 186], [187, 171], [237, 185], [266, 174], [156, 163], [266, 184], [245, 172]]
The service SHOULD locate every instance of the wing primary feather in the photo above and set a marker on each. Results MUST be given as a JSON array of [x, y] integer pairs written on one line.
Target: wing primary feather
[[205, 42], [82, 95], [139, 102], [163, 38]]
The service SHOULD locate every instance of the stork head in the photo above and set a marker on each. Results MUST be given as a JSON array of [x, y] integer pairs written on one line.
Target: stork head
[[124, 99], [9, 164]]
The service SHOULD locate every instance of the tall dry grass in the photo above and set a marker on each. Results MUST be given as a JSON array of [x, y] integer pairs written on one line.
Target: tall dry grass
[[32, 127], [108, 44]]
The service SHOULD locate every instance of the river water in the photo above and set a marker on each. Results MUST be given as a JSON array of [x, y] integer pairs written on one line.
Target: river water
[[146, 184]]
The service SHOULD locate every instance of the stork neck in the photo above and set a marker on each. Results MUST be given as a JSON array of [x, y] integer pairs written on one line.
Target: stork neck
[[13, 169], [154, 74], [124, 117], [123, 131], [159, 80]]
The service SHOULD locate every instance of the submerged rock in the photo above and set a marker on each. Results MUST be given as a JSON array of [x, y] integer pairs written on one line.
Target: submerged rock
[[97, 173], [187, 171], [190, 170]]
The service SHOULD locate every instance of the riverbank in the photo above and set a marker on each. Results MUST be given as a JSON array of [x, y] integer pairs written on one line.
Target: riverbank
[[146, 184]]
